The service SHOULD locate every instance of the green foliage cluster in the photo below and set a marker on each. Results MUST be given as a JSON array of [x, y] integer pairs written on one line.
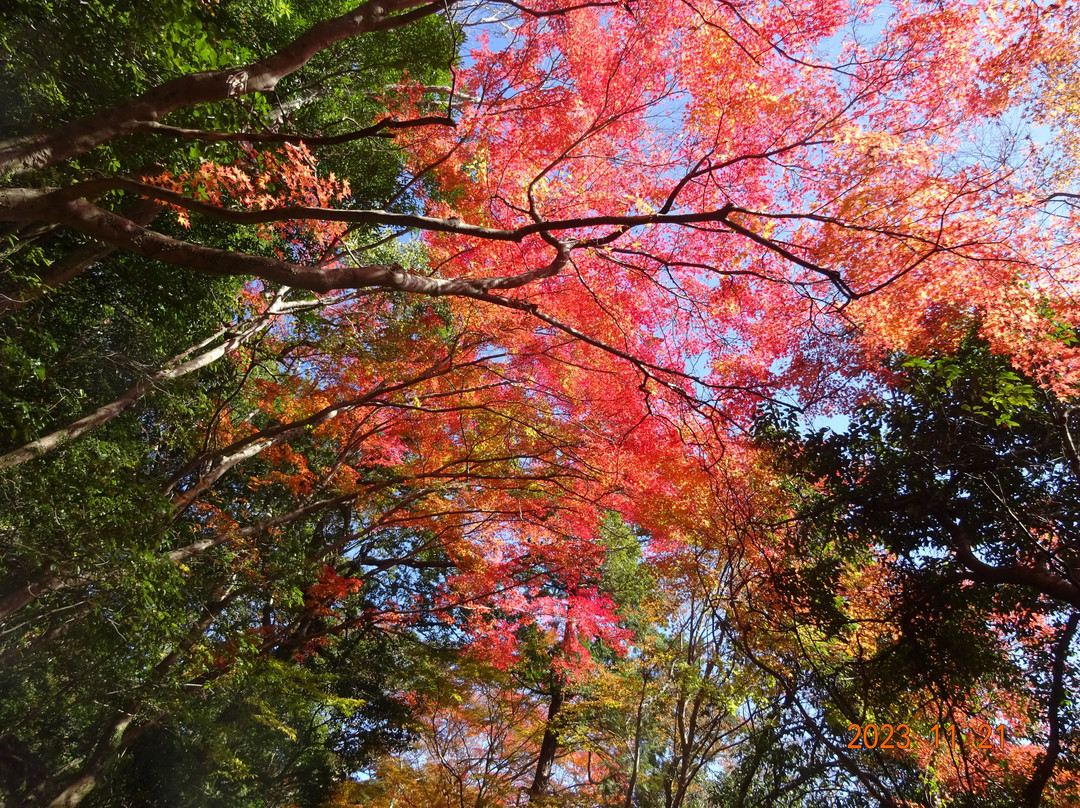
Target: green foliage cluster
[[63, 60], [222, 724]]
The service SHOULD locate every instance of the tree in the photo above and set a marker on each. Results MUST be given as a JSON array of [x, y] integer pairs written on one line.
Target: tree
[[564, 277], [954, 499]]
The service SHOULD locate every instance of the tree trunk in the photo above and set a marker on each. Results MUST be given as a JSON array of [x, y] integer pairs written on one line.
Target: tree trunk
[[548, 747], [122, 730], [1033, 792], [41, 582], [638, 728]]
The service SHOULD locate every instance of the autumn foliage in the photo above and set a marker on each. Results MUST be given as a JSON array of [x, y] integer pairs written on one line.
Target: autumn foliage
[[489, 478]]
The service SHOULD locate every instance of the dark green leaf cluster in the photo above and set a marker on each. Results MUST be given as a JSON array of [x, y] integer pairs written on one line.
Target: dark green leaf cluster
[[960, 487]]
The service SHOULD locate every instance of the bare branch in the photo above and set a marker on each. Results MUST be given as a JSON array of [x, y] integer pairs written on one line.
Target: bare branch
[[375, 130]]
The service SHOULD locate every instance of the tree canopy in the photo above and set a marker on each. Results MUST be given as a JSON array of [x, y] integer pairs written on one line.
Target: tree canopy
[[422, 403]]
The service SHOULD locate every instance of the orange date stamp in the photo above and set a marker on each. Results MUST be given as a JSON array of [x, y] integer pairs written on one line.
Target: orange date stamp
[[899, 736]]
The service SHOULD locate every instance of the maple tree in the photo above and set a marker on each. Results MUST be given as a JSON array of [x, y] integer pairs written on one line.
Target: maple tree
[[339, 333]]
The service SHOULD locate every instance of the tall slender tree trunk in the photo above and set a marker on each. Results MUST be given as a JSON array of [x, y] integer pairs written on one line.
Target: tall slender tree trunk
[[1044, 771], [549, 746], [122, 729], [639, 725]]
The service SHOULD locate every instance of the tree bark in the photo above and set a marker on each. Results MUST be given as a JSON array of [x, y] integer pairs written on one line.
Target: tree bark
[[121, 731], [34, 205], [63, 270], [1045, 770], [79, 137], [549, 746], [1040, 580], [176, 367], [43, 581], [182, 554], [639, 720]]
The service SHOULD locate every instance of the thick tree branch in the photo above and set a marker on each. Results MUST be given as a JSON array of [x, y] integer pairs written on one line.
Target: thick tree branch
[[26, 204], [73, 264], [176, 367], [111, 228], [832, 275], [39, 583], [1038, 579], [122, 729], [183, 554], [79, 137]]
